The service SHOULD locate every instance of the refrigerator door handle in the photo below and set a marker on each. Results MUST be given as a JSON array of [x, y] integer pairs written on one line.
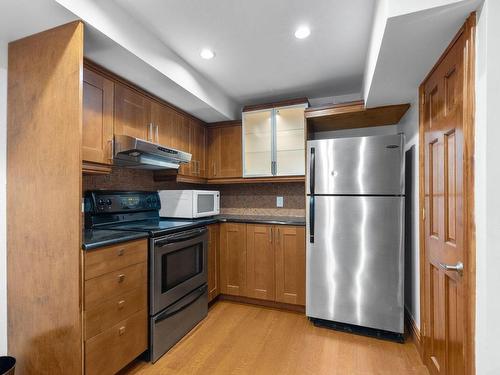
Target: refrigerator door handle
[[312, 167], [311, 219]]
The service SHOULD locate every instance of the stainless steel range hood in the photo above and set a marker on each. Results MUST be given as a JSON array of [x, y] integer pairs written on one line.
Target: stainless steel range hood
[[137, 153]]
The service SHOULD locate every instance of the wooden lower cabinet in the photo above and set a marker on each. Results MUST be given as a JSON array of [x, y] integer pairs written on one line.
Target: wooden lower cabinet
[[290, 261], [233, 259], [213, 261], [115, 306], [264, 262], [260, 262]]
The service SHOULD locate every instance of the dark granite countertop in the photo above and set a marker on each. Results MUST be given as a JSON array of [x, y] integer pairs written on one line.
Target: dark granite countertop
[[283, 220], [93, 239], [103, 237]]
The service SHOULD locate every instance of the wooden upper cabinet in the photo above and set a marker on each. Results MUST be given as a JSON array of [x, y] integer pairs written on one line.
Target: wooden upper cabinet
[[290, 252], [197, 147], [233, 259], [224, 151], [132, 113], [97, 135], [162, 118], [260, 262]]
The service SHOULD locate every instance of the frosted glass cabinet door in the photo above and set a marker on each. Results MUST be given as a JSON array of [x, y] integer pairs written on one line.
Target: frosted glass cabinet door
[[257, 143], [290, 143]]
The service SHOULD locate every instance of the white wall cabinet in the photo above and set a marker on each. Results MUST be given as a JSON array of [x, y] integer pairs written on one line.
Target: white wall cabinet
[[274, 142]]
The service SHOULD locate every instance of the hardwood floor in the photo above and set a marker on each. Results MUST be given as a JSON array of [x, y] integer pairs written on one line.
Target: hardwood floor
[[244, 339]]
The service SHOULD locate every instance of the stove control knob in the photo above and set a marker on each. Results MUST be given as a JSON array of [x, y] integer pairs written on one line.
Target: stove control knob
[[109, 202], [100, 202]]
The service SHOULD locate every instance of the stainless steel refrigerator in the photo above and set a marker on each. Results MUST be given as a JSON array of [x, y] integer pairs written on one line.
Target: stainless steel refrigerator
[[355, 234]]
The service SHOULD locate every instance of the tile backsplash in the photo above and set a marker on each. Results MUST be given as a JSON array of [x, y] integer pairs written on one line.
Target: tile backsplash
[[238, 199]]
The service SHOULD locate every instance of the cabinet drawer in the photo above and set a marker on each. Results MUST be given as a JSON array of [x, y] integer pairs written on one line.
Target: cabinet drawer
[[110, 312], [111, 258], [114, 348], [102, 288]]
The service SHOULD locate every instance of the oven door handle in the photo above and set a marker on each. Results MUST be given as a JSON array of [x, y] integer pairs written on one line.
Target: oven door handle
[[197, 294], [183, 236]]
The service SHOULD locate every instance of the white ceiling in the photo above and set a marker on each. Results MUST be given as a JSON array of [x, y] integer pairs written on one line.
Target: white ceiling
[[257, 56]]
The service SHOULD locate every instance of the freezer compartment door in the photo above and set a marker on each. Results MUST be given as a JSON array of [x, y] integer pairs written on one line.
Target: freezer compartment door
[[355, 261], [358, 166]]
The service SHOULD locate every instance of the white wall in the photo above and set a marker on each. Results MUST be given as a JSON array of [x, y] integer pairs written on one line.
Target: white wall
[[3, 158], [409, 126], [487, 184]]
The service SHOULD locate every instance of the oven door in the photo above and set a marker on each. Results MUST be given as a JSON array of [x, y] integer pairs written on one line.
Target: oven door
[[205, 203], [179, 265]]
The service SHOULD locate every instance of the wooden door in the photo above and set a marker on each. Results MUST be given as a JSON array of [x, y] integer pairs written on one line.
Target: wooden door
[[162, 119], [290, 252], [445, 115], [213, 261], [181, 139], [97, 129], [213, 151], [260, 262], [233, 259], [230, 152], [132, 113]]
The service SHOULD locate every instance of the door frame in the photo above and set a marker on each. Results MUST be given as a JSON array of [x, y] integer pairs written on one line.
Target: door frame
[[469, 30]]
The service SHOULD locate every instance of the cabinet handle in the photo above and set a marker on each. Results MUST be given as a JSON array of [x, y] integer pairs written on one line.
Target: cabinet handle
[[121, 304], [121, 330], [121, 278], [213, 166], [150, 132], [271, 234], [278, 236], [121, 252], [156, 134]]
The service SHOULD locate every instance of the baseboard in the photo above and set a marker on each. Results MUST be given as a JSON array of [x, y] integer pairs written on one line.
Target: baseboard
[[258, 302], [413, 331]]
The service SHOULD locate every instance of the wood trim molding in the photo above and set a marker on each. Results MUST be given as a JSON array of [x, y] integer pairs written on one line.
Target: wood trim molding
[[469, 29], [261, 302], [224, 124], [94, 168], [282, 103], [413, 331]]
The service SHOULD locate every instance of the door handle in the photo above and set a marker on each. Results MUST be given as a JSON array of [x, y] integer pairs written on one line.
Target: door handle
[[459, 267], [311, 219]]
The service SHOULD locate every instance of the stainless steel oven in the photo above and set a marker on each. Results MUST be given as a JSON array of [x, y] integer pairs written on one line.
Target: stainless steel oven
[[179, 265], [178, 292]]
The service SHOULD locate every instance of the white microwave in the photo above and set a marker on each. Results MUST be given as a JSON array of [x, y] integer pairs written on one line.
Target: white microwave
[[189, 204]]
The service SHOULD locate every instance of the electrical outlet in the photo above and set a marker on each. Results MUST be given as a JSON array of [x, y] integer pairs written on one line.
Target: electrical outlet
[[279, 201]]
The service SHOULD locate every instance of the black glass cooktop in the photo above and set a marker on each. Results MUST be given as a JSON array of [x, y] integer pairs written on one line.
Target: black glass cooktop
[[160, 227]]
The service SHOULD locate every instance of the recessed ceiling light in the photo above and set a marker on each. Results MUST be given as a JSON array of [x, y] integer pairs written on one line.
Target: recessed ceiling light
[[207, 54], [302, 32]]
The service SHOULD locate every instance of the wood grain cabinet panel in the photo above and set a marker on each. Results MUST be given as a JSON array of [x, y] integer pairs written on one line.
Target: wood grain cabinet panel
[[111, 258], [164, 131], [114, 348], [224, 151], [213, 261], [97, 133], [99, 289], [197, 147], [290, 252], [132, 113], [233, 259], [260, 262]]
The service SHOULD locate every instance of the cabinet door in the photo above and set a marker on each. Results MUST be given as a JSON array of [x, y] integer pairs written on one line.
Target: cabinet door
[[233, 259], [181, 139], [260, 262], [230, 159], [163, 124], [197, 145], [290, 141], [132, 113], [214, 152], [290, 262], [97, 118], [258, 140], [213, 261]]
